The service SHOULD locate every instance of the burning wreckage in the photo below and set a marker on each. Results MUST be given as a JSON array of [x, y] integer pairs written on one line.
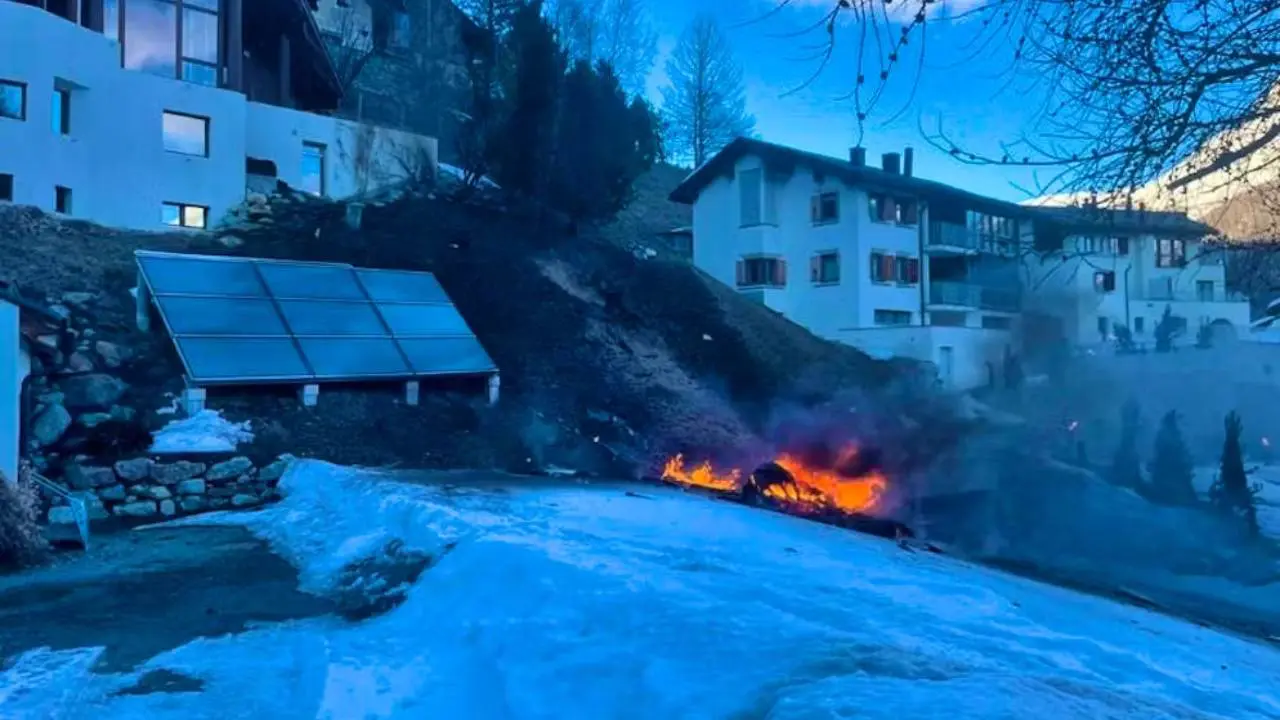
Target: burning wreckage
[[846, 487]]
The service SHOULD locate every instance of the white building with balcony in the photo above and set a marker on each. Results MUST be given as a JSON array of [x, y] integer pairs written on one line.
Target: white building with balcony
[[897, 265], [146, 113], [1098, 270], [869, 256]]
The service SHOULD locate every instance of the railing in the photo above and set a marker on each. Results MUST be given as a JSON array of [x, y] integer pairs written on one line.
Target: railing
[[943, 234], [963, 294], [1164, 291], [79, 510]]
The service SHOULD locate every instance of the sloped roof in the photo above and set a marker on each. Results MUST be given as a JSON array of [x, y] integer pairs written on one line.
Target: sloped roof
[[1153, 222]]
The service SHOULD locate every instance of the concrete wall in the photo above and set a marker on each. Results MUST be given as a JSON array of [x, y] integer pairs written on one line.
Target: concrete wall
[[970, 350], [13, 370], [114, 161]]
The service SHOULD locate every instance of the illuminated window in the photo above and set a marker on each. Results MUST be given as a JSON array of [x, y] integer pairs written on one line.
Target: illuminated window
[[185, 215]]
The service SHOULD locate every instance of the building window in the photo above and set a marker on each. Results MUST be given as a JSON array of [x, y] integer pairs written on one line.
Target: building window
[[1104, 281], [767, 271], [892, 317], [401, 30], [186, 134], [824, 208], [1139, 325], [1122, 246], [996, 322], [824, 268], [749, 196], [13, 100], [62, 199], [880, 207], [1171, 253], [900, 269], [184, 215], [1204, 290], [907, 212], [313, 167], [171, 38], [62, 111], [6, 187]]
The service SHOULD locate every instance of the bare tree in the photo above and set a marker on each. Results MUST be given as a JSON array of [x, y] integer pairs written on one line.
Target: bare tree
[[352, 42], [619, 32], [704, 106]]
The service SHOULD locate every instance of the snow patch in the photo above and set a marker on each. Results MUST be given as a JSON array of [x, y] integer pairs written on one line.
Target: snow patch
[[205, 432], [460, 175]]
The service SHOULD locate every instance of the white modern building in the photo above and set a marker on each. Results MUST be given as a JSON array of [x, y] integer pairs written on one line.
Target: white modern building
[[897, 265], [147, 113]]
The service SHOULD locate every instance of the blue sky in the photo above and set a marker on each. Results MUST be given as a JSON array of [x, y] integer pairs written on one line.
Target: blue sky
[[970, 91]]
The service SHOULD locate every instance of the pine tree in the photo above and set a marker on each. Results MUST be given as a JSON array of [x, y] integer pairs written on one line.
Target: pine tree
[[1126, 466], [1231, 492], [705, 106], [1166, 330], [1171, 469]]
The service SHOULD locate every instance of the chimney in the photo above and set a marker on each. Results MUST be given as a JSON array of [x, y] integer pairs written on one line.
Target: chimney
[[891, 163], [858, 156], [908, 161]]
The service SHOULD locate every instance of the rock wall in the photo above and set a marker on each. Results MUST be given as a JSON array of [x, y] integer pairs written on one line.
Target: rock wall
[[142, 487]]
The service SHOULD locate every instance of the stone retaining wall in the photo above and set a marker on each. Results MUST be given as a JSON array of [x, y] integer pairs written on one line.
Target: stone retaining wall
[[145, 488]]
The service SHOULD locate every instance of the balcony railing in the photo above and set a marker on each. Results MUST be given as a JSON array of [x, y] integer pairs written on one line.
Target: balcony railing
[[949, 235], [1162, 291], [969, 295]]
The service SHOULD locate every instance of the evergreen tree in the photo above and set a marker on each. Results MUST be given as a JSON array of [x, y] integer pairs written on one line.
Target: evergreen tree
[[1171, 469], [1166, 330], [531, 75], [1126, 466], [1231, 492]]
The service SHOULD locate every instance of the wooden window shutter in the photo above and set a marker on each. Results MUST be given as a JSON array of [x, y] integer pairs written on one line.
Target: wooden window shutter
[[740, 273], [913, 270], [780, 273], [889, 263]]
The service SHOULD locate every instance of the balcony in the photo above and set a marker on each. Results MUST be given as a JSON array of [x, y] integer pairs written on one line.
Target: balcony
[[1163, 290], [968, 296], [951, 239]]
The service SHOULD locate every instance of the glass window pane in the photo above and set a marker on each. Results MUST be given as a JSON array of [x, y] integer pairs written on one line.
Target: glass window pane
[[220, 316], [200, 276], [171, 214], [337, 358], [151, 37], [229, 359], [111, 19], [291, 281], [13, 100], [324, 317], [194, 216], [186, 134], [442, 356], [400, 286], [313, 168], [414, 319], [200, 36], [199, 74]]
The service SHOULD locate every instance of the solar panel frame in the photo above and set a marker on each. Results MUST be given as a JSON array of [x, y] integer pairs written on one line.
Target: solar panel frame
[[298, 294]]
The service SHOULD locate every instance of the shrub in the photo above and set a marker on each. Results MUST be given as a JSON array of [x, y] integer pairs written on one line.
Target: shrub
[[1231, 493], [1126, 466], [21, 542], [1171, 467]]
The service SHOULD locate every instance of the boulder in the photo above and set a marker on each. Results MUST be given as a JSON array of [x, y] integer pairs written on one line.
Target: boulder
[[192, 503], [172, 473], [92, 505], [95, 391], [81, 477], [61, 515], [134, 470], [154, 492], [276, 470], [245, 500], [195, 486], [50, 425], [233, 468], [167, 508], [113, 356], [80, 363], [114, 493], [77, 299], [219, 503], [93, 419], [141, 508]]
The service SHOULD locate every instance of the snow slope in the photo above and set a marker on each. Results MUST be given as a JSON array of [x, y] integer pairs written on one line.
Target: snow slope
[[586, 602]]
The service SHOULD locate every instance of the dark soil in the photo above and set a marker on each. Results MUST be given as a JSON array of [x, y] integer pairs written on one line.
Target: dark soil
[[139, 594]]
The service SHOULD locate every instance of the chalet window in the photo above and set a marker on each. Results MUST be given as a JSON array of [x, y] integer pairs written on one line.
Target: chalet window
[[1171, 253], [313, 168], [908, 212], [1104, 281], [876, 204], [824, 268], [171, 38], [186, 134], [757, 271], [13, 100], [824, 208], [184, 215], [62, 199], [749, 196], [892, 317], [6, 187], [900, 269]]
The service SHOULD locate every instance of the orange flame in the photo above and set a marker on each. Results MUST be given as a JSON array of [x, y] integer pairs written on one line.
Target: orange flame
[[701, 475], [812, 488]]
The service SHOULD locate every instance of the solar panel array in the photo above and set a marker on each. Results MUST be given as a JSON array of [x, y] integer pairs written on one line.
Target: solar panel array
[[238, 321]]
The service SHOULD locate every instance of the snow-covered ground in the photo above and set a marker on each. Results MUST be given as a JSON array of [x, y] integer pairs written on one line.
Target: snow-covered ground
[[576, 601], [205, 432]]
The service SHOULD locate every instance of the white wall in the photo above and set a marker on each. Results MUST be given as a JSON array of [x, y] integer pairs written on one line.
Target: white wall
[[828, 310], [14, 368], [971, 349], [1063, 283], [114, 161]]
